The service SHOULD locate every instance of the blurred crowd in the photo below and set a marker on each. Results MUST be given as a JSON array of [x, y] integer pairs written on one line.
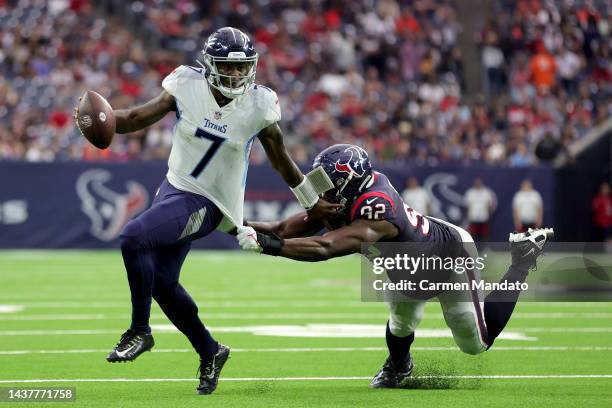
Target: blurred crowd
[[386, 74]]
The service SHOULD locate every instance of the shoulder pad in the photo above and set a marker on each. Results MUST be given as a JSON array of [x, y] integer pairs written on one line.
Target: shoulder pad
[[181, 74], [267, 103]]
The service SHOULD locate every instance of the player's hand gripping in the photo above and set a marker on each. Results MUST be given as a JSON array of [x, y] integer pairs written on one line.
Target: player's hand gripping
[[251, 240], [247, 239], [324, 210]]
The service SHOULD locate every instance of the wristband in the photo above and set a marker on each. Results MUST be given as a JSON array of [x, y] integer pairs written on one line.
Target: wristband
[[270, 245], [305, 194]]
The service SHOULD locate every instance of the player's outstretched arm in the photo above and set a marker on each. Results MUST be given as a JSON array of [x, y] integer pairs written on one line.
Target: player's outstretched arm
[[139, 117], [295, 226], [343, 241], [271, 139]]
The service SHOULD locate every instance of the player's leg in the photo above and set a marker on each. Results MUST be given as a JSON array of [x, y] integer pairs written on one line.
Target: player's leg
[[182, 311], [476, 324], [174, 300], [174, 217], [404, 317], [499, 305]]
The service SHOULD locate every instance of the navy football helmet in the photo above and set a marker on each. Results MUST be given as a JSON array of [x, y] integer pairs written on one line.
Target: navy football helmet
[[349, 169], [230, 61]]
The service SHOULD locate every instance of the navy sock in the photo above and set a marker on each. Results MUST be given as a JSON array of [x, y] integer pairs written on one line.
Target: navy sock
[[499, 305], [139, 267], [399, 347], [183, 313]]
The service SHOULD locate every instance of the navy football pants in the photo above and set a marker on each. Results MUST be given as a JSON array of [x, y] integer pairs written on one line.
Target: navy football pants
[[154, 246]]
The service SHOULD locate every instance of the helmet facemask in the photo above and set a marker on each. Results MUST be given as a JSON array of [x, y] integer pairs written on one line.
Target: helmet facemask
[[221, 72]]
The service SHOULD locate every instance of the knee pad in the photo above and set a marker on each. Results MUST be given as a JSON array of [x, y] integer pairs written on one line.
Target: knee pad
[[470, 345]]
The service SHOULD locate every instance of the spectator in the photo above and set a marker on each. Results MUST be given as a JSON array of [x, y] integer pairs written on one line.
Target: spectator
[[602, 213], [527, 208], [417, 197], [549, 148], [480, 202], [521, 157], [543, 69], [493, 62], [353, 73]]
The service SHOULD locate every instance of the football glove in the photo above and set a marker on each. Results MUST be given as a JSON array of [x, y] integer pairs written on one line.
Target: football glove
[[247, 239], [251, 240]]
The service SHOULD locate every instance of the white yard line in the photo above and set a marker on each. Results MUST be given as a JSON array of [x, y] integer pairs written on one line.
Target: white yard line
[[289, 316], [488, 377], [76, 332], [318, 349], [277, 303]]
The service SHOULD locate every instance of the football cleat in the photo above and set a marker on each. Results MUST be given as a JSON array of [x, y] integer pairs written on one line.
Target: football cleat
[[525, 247], [131, 345], [210, 370], [391, 376]]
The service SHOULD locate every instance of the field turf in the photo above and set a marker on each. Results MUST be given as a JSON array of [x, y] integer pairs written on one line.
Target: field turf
[[61, 312]]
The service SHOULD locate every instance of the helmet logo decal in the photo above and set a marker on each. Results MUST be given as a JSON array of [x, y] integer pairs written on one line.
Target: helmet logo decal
[[354, 165]]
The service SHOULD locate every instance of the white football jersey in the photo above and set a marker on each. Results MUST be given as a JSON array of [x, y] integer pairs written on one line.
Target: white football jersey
[[211, 145]]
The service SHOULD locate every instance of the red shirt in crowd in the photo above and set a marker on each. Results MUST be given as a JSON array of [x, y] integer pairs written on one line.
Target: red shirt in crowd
[[602, 209]]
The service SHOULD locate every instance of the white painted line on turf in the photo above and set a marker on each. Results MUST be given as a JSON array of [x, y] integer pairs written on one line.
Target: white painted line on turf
[[488, 377], [170, 330], [11, 308], [209, 303], [318, 349], [325, 330], [292, 316]]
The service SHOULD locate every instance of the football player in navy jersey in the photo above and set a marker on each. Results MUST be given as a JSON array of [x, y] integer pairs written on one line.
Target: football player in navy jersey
[[375, 212]]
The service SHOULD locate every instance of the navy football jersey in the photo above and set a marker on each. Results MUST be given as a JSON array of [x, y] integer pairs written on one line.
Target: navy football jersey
[[380, 201]]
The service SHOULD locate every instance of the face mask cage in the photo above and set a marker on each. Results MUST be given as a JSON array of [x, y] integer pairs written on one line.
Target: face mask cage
[[335, 195], [230, 86]]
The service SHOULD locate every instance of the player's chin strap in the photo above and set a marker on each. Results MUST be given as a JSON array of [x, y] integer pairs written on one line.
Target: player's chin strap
[[270, 245], [312, 186]]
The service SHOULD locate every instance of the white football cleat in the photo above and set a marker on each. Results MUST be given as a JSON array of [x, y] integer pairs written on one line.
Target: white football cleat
[[525, 247]]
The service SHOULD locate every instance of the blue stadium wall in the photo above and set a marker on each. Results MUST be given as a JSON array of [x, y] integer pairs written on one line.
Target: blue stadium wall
[[84, 205]]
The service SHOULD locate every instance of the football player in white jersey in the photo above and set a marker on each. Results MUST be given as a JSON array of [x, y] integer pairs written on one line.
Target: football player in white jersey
[[220, 110]]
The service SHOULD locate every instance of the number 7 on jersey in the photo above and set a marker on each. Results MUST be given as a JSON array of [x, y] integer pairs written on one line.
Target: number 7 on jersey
[[216, 143]]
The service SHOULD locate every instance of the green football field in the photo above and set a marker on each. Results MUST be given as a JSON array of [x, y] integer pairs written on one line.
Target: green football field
[[300, 337]]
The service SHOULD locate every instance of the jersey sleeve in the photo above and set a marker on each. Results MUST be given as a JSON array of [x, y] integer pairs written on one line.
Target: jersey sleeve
[[268, 104], [374, 206]]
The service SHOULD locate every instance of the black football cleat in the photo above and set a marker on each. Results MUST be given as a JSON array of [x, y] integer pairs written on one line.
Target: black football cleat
[[131, 345], [210, 370], [391, 376], [525, 247]]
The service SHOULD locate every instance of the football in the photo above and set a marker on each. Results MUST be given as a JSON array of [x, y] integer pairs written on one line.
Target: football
[[96, 120]]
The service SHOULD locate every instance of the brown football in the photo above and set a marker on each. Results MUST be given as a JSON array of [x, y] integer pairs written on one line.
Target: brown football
[[96, 120]]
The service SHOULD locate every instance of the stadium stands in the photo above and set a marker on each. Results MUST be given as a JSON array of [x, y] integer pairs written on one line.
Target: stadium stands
[[387, 74]]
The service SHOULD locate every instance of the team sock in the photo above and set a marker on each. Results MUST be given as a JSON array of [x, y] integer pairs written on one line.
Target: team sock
[[399, 347], [499, 305], [139, 267]]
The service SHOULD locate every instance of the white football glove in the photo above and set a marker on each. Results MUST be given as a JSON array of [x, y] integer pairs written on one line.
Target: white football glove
[[247, 239]]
